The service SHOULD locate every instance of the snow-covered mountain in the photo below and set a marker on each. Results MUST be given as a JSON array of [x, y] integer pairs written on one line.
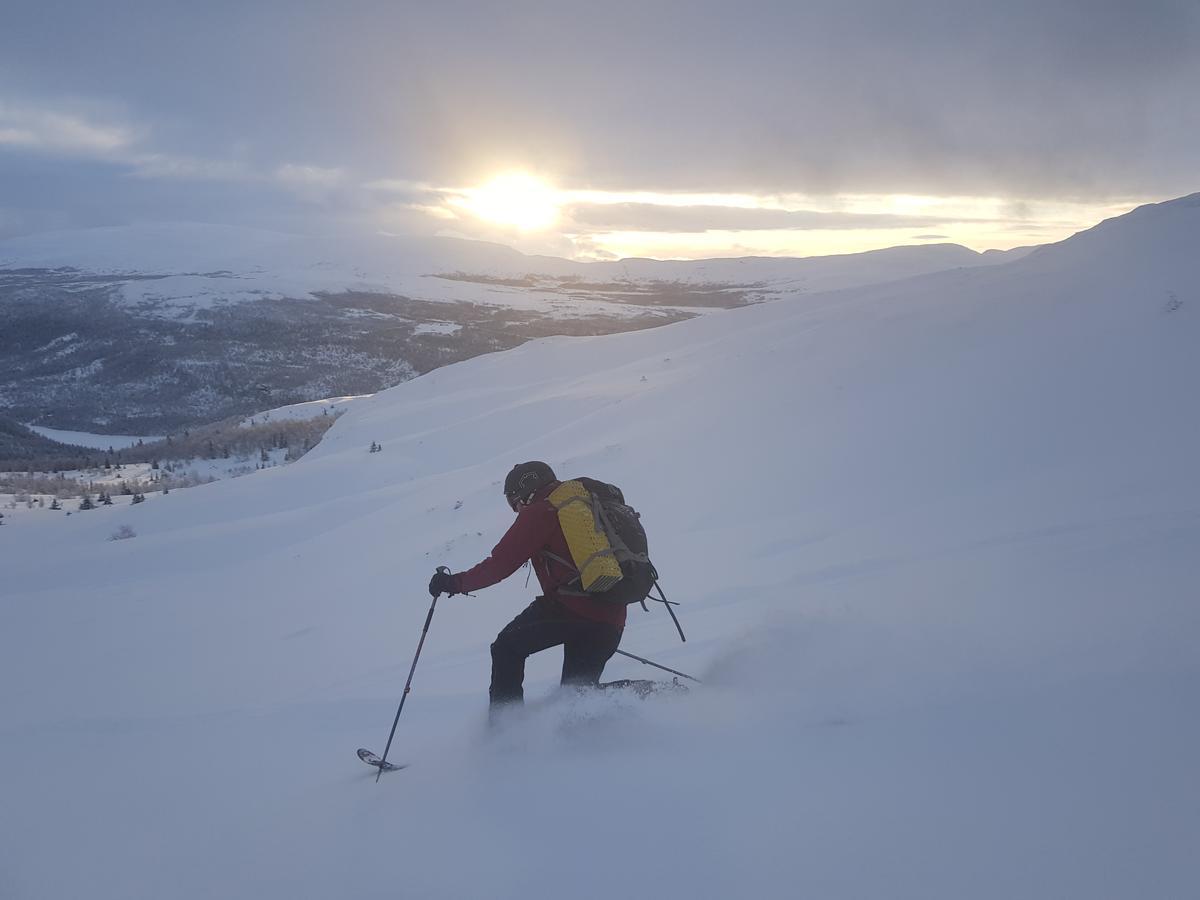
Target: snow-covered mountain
[[244, 263], [936, 545], [152, 328]]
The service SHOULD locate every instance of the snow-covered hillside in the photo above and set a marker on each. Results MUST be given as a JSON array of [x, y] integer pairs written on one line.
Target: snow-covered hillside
[[302, 411], [936, 543]]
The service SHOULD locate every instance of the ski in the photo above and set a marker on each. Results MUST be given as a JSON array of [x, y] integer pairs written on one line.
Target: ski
[[372, 760], [643, 687]]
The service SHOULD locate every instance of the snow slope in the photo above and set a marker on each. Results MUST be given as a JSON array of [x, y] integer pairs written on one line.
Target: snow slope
[[297, 412], [937, 545]]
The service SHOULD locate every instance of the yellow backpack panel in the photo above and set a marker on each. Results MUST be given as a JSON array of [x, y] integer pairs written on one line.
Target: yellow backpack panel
[[590, 548]]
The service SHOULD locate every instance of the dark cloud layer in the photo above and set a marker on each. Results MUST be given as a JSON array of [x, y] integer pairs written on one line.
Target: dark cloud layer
[[1092, 99]]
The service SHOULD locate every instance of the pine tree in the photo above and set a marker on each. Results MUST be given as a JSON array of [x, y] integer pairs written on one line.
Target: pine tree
[[86, 503]]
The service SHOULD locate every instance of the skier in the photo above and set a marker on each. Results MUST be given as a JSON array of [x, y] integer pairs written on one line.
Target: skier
[[588, 629]]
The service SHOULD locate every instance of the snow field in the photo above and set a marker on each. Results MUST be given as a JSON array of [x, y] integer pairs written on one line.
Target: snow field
[[936, 545]]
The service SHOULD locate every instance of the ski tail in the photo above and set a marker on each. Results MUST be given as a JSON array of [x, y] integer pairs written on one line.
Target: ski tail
[[372, 759]]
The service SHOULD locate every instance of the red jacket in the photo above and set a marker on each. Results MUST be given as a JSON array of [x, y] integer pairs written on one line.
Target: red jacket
[[536, 529]]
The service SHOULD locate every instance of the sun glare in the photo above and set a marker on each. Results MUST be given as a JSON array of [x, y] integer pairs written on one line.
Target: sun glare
[[550, 217], [516, 199]]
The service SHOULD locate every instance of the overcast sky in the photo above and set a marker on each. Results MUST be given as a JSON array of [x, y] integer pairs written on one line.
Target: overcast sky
[[698, 128]]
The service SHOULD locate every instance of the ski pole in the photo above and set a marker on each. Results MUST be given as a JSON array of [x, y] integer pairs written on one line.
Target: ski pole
[[408, 684], [657, 666], [668, 604]]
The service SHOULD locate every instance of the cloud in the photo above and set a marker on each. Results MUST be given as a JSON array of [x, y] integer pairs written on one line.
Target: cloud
[[403, 190], [305, 176], [1080, 100], [699, 218], [163, 165], [397, 186], [44, 130], [314, 184], [17, 137]]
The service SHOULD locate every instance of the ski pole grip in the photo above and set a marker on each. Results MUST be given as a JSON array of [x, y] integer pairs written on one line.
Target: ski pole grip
[[442, 570]]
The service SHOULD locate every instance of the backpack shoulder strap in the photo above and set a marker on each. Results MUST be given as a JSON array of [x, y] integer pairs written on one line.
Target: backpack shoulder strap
[[562, 562]]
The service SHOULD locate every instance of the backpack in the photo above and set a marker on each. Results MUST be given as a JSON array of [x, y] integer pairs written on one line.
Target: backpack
[[609, 551]]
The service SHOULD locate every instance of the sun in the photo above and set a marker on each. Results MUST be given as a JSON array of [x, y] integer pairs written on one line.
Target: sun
[[515, 199]]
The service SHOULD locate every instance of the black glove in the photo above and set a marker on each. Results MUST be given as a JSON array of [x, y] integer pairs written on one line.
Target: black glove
[[443, 582]]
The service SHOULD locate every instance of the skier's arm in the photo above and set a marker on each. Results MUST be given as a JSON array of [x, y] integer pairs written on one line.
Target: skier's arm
[[525, 537]]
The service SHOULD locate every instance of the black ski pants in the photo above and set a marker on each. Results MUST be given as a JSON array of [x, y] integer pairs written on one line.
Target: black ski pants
[[587, 646]]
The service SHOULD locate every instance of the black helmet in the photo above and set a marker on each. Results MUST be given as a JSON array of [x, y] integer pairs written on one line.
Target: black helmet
[[524, 480]]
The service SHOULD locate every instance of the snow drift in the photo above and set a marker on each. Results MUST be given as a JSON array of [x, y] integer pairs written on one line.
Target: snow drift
[[936, 541]]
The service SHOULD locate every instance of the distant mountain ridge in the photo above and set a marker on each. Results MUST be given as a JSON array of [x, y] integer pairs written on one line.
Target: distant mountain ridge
[[174, 247], [146, 329]]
